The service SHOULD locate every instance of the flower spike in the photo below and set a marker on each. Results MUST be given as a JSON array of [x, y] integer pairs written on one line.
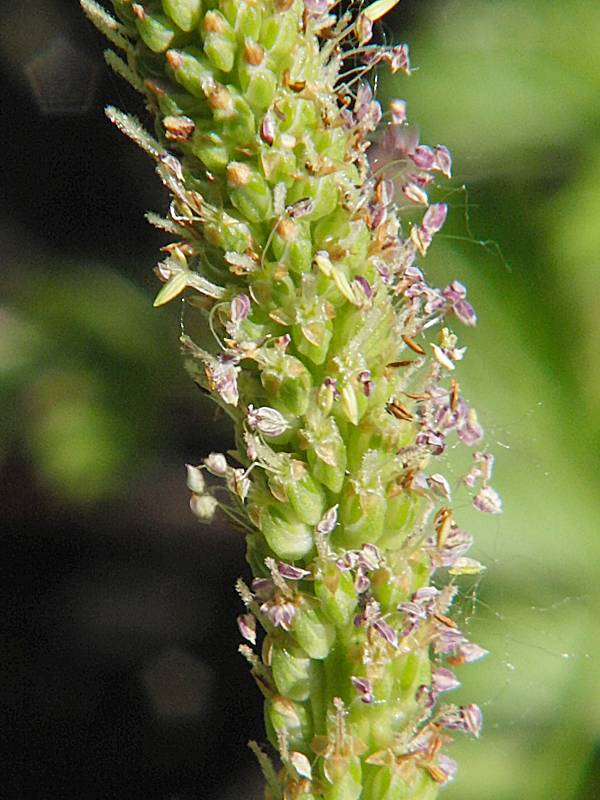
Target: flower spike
[[335, 361]]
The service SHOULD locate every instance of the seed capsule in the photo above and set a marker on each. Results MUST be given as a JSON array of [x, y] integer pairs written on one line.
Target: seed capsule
[[282, 714], [292, 670], [287, 536], [311, 631], [157, 31], [335, 589], [184, 13]]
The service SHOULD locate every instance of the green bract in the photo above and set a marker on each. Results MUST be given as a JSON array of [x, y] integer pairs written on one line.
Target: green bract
[[326, 358]]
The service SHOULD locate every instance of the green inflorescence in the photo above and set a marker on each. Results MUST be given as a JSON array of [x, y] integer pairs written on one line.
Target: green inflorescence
[[288, 240]]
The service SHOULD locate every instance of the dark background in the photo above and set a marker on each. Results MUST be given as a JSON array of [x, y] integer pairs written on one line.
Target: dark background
[[122, 678]]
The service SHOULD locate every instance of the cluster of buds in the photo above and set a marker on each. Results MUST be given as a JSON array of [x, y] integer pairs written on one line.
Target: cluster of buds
[[335, 361]]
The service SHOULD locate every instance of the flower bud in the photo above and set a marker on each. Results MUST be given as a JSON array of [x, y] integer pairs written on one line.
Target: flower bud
[[216, 464], [203, 507], [195, 479]]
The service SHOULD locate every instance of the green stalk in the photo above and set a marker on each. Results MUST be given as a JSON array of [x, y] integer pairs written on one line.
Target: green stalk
[[289, 241]]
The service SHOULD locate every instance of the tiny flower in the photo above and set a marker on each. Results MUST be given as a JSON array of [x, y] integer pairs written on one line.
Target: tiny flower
[[364, 378], [240, 263], [487, 464], [434, 217], [222, 377], [366, 110], [328, 521], [384, 191], [268, 128], [240, 308], [441, 357], [386, 631], [397, 58], [268, 421], [470, 431], [364, 29], [398, 111], [468, 652], [470, 479], [291, 572], [467, 719], [395, 145], [439, 485], [348, 562], [423, 157], [488, 500], [252, 446], [301, 208], [364, 689], [455, 293], [466, 566], [280, 612], [447, 640], [247, 627], [263, 588], [238, 482], [426, 594], [415, 194], [364, 286], [426, 696], [432, 440], [444, 680], [301, 764], [317, 7], [457, 542], [445, 769], [361, 583], [178, 129], [443, 160], [369, 556], [465, 312], [473, 719]]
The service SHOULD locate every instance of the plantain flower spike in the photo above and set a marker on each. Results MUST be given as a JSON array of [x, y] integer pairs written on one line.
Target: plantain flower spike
[[336, 362]]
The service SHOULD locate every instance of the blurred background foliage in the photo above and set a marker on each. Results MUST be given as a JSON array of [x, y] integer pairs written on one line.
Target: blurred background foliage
[[123, 609]]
